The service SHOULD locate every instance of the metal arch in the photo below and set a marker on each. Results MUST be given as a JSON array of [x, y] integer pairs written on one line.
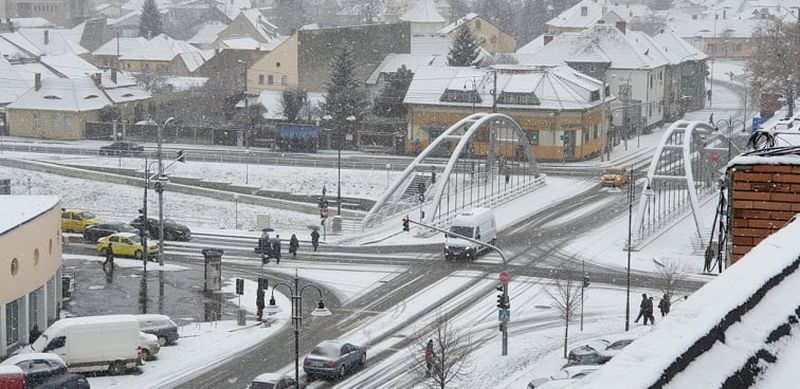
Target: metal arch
[[533, 167], [688, 128]]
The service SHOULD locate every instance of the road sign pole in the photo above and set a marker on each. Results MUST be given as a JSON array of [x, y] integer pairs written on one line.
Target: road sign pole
[[504, 277]]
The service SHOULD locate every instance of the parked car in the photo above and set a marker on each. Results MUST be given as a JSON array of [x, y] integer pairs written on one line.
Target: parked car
[[126, 244], [172, 230], [614, 348], [66, 381], [11, 377], [37, 367], [94, 232], [588, 354], [76, 220], [272, 381], [122, 148], [159, 325], [334, 360], [148, 343], [567, 373]]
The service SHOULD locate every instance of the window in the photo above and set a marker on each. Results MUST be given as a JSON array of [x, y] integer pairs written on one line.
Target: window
[[533, 136], [460, 96], [478, 25], [260, 79], [67, 121], [54, 122], [596, 131], [283, 80], [270, 79], [518, 98], [277, 64], [56, 343], [595, 95], [12, 322], [35, 257], [37, 120], [14, 266], [146, 67], [585, 135]]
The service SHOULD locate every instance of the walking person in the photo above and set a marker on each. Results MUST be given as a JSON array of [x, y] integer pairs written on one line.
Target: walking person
[[276, 249], [429, 355], [34, 334], [642, 306], [315, 239], [648, 312], [109, 262], [664, 305], [294, 244], [260, 301]]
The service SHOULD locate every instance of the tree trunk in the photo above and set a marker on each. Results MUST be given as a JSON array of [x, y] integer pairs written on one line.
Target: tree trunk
[[566, 334], [790, 101]]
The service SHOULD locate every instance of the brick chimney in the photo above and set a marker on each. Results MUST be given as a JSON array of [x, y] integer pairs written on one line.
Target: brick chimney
[[37, 81], [546, 39], [622, 26], [46, 37], [97, 78]]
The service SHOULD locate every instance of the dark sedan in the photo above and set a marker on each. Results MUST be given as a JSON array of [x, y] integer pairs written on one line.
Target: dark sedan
[[122, 148], [38, 367], [93, 233], [172, 230], [334, 360]]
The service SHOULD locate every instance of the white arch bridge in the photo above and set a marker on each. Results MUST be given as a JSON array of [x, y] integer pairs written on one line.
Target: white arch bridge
[[483, 160], [682, 174]]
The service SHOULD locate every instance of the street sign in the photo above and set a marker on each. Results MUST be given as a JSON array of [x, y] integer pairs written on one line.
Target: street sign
[[504, 315], [714, 156], [504, 277], [324, 213]]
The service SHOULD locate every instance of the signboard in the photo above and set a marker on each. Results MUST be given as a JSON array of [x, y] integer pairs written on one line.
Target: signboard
[[714, 159], [504, 315], [504, 277], [757, 122]]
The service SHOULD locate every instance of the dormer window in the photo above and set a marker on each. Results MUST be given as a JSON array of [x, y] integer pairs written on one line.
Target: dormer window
[[90, 97], [127, 95], [516, 98], [460, 96], [52, 97]]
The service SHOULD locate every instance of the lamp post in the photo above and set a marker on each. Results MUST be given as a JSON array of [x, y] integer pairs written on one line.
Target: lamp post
[[730, 122], [350, 119], [160, 190], [296, 293], [631, 190]]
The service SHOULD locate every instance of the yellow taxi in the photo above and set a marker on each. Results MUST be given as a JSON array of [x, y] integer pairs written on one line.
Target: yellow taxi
[[125, 244], [615, 176], [76, 220]]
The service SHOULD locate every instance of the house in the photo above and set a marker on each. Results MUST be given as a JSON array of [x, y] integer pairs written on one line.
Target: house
[[206, 36], [59, 108], [392, 62], [107, 55], [304, 59], [229, 66], [627, 61], [560, 109], [161, 54], [587, 13], [684, 89], [59, 12], [250, 23], [424, 17], [490, 37], [720, 37]]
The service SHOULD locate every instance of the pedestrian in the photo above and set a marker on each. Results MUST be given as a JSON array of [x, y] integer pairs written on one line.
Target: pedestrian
[[315, 239], [710, 117], [260, 301], [109, 262], [642, 306], [429, 355], [648, 312], [294, 244], [664, 305], [34, 334], [276, 249]]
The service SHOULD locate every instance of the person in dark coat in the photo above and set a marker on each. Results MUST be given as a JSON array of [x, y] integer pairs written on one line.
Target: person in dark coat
[[664, 305], [34, 334], [315, 239], [648, 312], [429, 355], [109, 262], [642, 306], [294, 244], [276, 249], [260, 301]]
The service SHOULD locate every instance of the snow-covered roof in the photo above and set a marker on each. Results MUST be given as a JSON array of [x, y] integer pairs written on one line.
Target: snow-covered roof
[[69, 64], [423, 11], [532, 46], [677, 49], [137, 5], [602, 44], [130, 18], [182, 84], [18, 210], [126, 46], [709, 28], [248, 43], [265, 29], [62, 94], [127, 93], [207, 34], [232, 8], [19, 46], [772, 265], [271, 100], [452, 26], [589, 12], [555, 87], [392, 62], [14, 83], [160, 48], [57, 41], [193, 60], [431, 44], [31, 22]]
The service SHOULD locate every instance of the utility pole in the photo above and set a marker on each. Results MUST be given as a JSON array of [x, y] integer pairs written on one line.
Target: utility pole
[[160, 191], [494, 91], [144, 231], [631, 189]]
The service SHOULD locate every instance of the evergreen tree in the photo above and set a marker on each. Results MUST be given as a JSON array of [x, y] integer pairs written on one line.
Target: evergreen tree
[[345, 97], [390, 102], [150, 22], [465, 49], [292, 101]]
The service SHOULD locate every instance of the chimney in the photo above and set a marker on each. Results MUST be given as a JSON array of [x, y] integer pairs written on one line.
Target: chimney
[[584, 11], [46, 37], [546, 39], [622, 26], [37, 81], [97, 78], [114, 75]]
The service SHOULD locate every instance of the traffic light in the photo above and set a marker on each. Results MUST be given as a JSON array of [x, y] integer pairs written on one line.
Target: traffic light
[[141, 211], [406, 227], [181, 156], [502, 301], [421, 188], [158, 186], [585, 281], [240, 286]]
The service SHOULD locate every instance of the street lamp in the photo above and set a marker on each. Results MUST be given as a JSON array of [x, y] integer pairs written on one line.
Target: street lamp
[[730, 122], [296, 293], [160, 188]]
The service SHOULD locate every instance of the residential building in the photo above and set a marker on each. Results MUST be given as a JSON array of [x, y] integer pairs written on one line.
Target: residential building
[[250, 23], [161, 54], [60, 12], [490, 37], [108, 54], [392, 62], [31, 263], [720, 37], [424, 18], [587, 13], [395, 9], [206, 36], [560, 109], [304, 59], [684, 89]]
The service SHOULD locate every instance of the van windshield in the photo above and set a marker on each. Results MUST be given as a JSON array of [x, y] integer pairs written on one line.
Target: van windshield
[[40, 343], [461, 230]]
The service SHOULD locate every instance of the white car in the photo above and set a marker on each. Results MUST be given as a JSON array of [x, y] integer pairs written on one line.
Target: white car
[[567, 373], [149, 345], [272, 381]]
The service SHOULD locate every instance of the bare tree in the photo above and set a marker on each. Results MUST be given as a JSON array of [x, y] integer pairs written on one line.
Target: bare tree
[[776, 52], [670, 273], [450, 358], [566, 295]]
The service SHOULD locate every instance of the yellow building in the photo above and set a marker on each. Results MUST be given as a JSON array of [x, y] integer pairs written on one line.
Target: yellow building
[[489, 36], [559, 108], [30, 267]]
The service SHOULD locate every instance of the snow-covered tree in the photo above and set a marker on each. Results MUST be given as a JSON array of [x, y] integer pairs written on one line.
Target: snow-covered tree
[[292, 101], [450, 360], [150, 21], [566, 296], [345, 96], [776, 53], [390, 101], [465, 49]]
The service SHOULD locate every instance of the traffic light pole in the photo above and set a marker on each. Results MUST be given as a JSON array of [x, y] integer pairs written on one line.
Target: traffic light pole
[[583, 286], [504, 325]]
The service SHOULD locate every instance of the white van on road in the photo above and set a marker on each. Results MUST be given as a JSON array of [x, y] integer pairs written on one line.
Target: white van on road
[[478, 224], [93, 343]]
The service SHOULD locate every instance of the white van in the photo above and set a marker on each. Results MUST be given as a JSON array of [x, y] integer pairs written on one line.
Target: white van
[[478, 224], [93, 343]]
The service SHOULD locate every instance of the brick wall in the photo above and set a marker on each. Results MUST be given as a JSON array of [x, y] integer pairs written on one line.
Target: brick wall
[[762, 199]]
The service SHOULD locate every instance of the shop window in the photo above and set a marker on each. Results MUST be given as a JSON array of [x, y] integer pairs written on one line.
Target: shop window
[[12, 322], [270, 80]]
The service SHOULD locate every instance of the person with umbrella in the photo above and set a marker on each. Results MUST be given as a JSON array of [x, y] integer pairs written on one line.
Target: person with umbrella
[[294, 244]]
